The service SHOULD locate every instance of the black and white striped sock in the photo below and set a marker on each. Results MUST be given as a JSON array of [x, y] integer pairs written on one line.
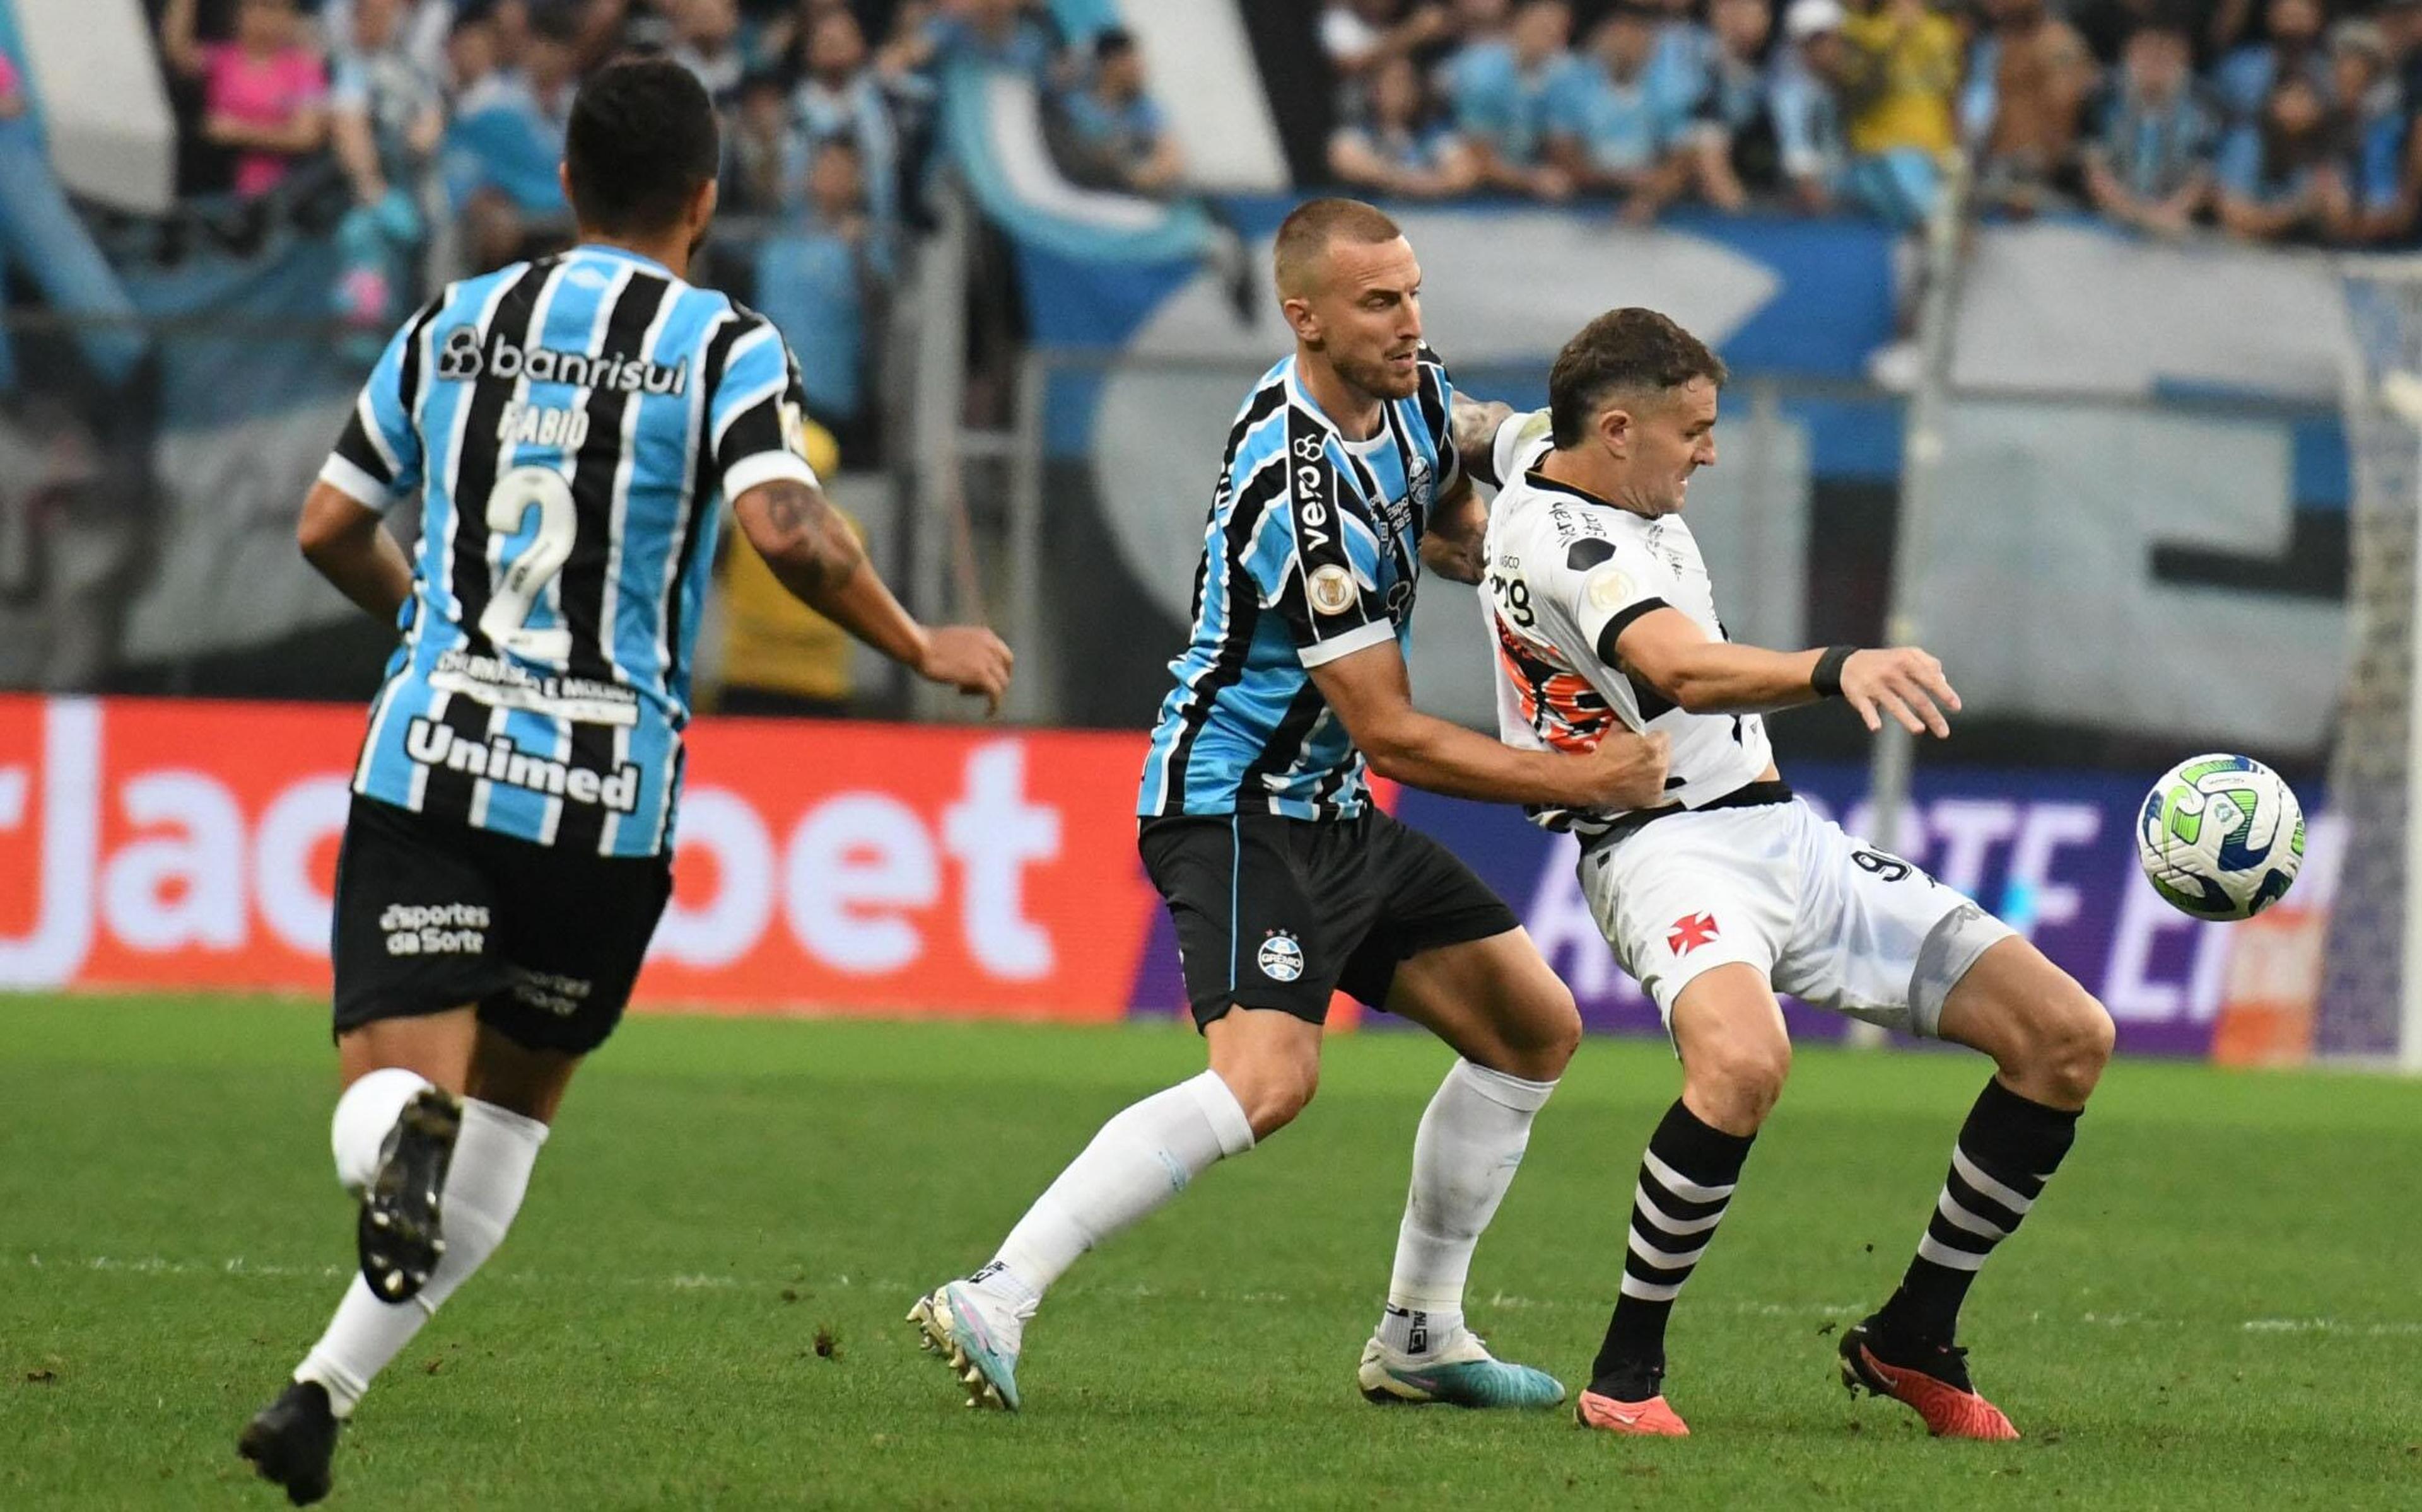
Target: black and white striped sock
[[1685, 1181], [2008, 1148]]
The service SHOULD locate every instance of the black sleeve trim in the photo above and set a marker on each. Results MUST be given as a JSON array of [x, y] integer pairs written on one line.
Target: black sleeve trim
[[1613, 629], [353, 445], [755, 429]]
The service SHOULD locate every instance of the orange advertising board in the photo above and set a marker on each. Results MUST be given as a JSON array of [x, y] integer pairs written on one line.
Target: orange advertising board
[[823, 866]]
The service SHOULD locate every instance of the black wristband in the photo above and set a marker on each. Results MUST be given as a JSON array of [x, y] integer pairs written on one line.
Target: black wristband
[[1827, 678]]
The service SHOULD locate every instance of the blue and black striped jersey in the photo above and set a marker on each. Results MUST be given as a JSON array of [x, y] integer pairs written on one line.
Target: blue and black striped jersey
[[1312, 552], [573, 426]]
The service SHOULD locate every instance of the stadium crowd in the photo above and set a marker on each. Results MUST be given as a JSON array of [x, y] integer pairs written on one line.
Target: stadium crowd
[[2271, 120], [2265, 119], [447, 117], [436, 125]]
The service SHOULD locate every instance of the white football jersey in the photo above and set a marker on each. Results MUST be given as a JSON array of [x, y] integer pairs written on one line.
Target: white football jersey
[[1566, 574]]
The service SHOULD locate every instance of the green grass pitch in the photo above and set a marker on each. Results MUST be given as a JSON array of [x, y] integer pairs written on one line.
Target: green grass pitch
[[2214, 1306]]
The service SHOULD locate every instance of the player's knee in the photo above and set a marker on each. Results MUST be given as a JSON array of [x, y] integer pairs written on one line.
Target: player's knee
[[1277, 1101], [1564, 1040], [2049, 1036], [2069, 1044], [1273, 1089], [1735, 1083], [2054, 1045], [1539, 1042]]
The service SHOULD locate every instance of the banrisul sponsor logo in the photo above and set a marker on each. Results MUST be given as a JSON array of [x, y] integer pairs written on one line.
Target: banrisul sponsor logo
[[461, 358], [499, 759]]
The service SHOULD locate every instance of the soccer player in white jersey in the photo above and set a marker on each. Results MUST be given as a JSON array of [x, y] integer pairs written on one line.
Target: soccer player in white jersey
[[1731, 888], [573, 426]]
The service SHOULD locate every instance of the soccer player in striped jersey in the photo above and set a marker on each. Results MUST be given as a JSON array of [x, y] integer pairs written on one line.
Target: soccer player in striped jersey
[[1727, 889], [575, 426], [1349, 466]]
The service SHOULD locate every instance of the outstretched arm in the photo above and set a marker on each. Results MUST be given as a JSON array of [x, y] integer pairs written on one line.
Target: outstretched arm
[[1666, 648], [1372, 695], [814, 555]]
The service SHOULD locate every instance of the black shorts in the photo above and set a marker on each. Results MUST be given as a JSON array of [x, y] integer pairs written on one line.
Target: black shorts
[[1277, 913], [433, 914]]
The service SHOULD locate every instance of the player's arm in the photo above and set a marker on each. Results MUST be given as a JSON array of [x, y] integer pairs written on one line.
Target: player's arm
[[1667, 649], [1452, 545], [755, 412], [1319, 572], [346, 541], [377, 460], [1370, 691], [815, 556]]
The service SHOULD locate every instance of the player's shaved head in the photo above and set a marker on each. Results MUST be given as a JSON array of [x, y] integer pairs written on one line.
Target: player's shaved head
[[1623, 354], [1307, 233]]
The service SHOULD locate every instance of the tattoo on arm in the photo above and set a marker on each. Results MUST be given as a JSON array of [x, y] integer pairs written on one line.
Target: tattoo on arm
[[812, 543], [1473, 424]]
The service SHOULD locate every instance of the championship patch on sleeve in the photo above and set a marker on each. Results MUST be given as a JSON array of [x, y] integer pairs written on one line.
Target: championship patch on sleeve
[[1608, 588], [1330, 589]]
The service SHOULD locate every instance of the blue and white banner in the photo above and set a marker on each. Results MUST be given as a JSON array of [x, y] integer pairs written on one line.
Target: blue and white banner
[[190, 443]]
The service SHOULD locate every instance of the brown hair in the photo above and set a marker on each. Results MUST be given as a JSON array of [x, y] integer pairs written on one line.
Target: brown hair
[[1627, 349], [1308, 229]]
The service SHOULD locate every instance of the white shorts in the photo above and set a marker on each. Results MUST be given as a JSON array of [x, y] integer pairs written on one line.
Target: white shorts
[[1823, 917]]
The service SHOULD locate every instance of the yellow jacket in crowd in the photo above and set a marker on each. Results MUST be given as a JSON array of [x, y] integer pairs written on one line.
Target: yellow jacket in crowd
[[1907, 70]]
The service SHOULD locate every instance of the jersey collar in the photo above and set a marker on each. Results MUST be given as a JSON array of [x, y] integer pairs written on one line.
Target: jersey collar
[[1302, 397], [1538, 479], [598, 249]]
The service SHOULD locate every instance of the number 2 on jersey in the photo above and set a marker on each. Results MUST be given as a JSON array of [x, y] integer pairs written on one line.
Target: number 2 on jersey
[[505, 622]]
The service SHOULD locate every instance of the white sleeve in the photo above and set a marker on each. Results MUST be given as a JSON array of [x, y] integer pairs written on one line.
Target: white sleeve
[[1604, 585], [1514, 436]]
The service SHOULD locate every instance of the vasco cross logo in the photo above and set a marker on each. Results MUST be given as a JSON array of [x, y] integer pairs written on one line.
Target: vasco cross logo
[[1691, 931], [1280, 958]]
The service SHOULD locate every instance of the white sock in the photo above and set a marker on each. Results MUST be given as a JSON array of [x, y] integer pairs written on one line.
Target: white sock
[[484, 1183], [1464, 1157], [365, 1114], [1142, 1158]]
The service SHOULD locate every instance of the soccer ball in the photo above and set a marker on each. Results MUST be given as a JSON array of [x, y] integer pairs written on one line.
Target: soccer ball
[[2221, 836]]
